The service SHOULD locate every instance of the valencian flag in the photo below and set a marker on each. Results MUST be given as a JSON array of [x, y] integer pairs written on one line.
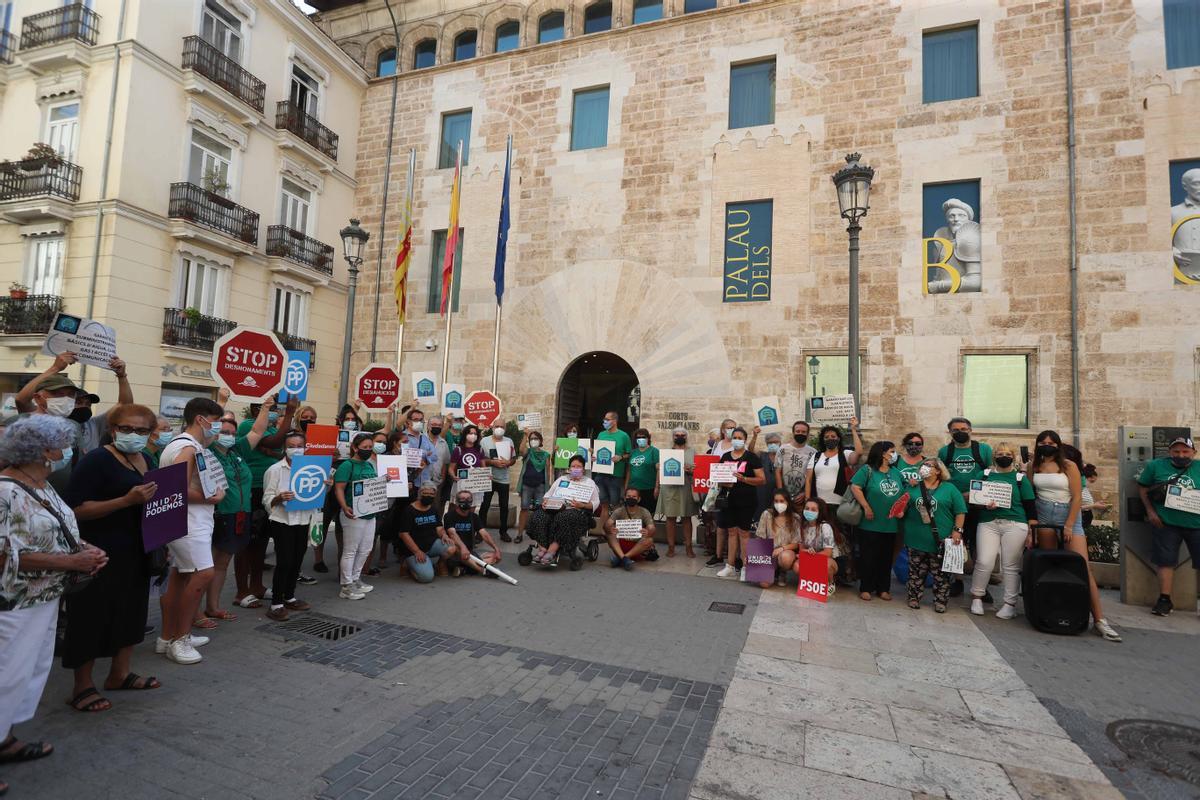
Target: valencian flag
[[403, 257], [451, 234], [502, 233]]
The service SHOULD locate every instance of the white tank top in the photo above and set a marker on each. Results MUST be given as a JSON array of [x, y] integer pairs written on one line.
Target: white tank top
[[1052, 486]]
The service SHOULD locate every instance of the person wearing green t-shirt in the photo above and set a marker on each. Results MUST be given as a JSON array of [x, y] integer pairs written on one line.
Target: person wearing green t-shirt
[[935, 512], [612, 486], [1003, 532], [877, 486], [358, 533], [1164, 478], [966, 459], [643, 470]]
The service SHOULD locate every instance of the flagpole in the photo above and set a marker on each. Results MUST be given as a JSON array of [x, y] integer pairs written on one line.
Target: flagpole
[[412, 168], [451, 238], [503, 233]]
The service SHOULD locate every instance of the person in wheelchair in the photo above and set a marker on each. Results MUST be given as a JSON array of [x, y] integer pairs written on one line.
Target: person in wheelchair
[[625, 549], [565, 516]]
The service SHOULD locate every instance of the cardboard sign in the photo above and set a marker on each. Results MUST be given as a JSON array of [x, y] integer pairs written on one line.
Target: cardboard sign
[[475, 480], [573, 492], [628, 528], [344, 438], [92, 342], [307, 483], [954, 557], [369, 496], [672, 469], [395, 469], [984, 492], [529, 422], [1181, 499], [834, 408], [321, 440], [760, 567], [250, 363], [164, 517], [722, 473], [565, 447], [378, 387], [767, 414], [207, 470], [453, 397], [295, 379], [603, 455], [814, 576], [701, 481], [413, 457], [425, 387]]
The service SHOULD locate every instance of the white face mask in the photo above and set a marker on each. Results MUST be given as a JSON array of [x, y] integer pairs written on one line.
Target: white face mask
[[60, 406], [925, 471], [780, 508], [292, 452], [497, 432]]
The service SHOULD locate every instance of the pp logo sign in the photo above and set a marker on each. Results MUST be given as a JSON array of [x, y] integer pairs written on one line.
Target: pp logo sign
[[295, 378], [308, 483]]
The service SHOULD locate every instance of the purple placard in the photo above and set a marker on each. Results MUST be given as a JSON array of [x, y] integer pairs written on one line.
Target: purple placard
[[759, 566], [164, 518]]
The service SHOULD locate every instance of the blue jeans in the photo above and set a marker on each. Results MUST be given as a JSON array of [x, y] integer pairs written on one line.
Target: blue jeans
[[423, 573]]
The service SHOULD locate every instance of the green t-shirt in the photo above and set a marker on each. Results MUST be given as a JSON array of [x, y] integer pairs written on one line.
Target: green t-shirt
[[237, 475], [258, 458], [947, 503], [643, 465], [1160, 470], [1023, 490], [881, 489], [962, 464], [623, 446], [151, 458], [908, 472], [351, 470]]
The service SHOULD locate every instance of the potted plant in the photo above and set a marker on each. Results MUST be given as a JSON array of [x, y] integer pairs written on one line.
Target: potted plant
[[193, 316], [1104, 554], [18, 291], [41, 155], [216, 186]]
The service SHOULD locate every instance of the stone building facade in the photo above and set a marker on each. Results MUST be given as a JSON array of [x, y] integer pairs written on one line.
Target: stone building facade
[[621, 248]]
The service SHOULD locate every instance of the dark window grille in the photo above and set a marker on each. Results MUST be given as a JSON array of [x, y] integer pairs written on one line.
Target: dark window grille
[[196, 331], [289, 117], [30, 314], [222, 70], [304, 250], [62, 24], [8, 43], [209, 209], [291, 342], [34, 177]]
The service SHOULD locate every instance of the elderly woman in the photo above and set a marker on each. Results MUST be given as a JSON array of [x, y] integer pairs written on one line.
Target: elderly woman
[[562, 521], [39, 548], [935, 512], [678, 503], [108, 618]]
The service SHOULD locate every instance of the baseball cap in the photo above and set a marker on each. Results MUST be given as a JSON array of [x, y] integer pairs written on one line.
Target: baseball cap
[[92, 398], [56, 382], [1182, 440]]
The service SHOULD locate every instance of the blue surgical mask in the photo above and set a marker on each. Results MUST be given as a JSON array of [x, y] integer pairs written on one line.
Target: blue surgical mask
[[226, 440], [810, 515], [214, 430], [130, 442], [164, 439], [272, 417], [608, 424], [379, 448], [642, 441], [739, 444], [55, 466], [772, 448]]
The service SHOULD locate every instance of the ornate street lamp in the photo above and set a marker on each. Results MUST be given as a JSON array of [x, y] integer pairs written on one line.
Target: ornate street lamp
[[853, 183], [354, 239], [814, 369]]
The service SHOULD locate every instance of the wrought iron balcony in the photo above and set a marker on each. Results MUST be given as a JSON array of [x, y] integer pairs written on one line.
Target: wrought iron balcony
[[304, 250], [8, 44], [209, 209], [31, 314], [289, 117], [35, 177], [291, 342], [187, 328], [222, 70], [62, 24]]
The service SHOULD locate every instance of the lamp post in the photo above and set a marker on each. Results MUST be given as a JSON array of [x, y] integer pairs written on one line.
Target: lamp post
[[814, 369], [853, 183], [354, 239]]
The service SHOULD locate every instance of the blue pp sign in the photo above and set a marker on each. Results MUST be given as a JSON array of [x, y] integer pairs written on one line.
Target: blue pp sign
[[309, 474], [295, 377]]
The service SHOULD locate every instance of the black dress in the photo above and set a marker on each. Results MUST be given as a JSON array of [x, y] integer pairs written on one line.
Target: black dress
[[111, 612]]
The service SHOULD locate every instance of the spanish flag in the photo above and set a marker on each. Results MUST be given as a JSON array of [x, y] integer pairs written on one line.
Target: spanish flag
[[451, 235]]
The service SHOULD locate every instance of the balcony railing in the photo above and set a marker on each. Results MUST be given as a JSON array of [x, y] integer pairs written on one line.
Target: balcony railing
[[209, 209], [8, 44], [33, 177], [304, 250], [224, 71], [291, 342], [289, 117], [196, 331], [30, 314], [75, 21]]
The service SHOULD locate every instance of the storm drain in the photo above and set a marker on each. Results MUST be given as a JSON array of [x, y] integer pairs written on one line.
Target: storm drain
[[328, 628], [727, 608], [1171, 749]]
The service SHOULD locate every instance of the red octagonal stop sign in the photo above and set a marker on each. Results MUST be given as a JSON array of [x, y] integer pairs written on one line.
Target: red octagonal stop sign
[[482, 408], [250, 363], [378, 387]]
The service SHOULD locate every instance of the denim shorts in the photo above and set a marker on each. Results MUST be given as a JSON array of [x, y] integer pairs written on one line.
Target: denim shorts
[[1055, 515], [1166, 545], [531, 496], [611, 488]]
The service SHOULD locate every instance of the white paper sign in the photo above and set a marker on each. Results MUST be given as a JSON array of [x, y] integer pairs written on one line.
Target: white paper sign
[[767, 414], [529, 422], [671, 468], [425, 387], [412, 457], [573, 492], [955, 557], [475, 480], [984, 492], [343, 443], [370, 496], [1181, 499], [396, 471], [453, 397], [501, 449], [628, 528], [602, 456], [92, 342], [723, 472], [552, 503], [836, 408], [207, 469]]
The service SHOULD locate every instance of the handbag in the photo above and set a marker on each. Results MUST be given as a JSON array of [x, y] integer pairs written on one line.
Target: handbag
[[75, 581], [850, 511]]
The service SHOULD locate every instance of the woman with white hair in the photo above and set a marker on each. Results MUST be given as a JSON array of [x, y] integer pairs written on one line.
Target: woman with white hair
[[936, 511], [39, 549], [678, 503]]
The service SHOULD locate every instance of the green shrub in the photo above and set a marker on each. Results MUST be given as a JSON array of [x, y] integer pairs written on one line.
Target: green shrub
[[1104, 543]]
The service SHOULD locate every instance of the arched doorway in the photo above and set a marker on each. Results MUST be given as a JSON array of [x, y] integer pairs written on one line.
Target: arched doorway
[[593, 384]]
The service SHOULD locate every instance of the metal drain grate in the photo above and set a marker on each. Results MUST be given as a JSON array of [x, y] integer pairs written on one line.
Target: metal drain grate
[[727, 608], [1169, 748], [329, 629]]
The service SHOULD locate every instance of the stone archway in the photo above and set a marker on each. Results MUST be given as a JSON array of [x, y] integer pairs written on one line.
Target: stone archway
[[594, 384]]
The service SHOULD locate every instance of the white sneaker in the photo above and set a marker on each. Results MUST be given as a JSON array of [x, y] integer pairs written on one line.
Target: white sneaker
[[727, 572], [742, 575], [182, 652], [1108, 632], [831, 591], [363, 588], [161, 645], [348, 592], [197, 641], [781, 581], [268, 595], [977, 606], [1007, 611]]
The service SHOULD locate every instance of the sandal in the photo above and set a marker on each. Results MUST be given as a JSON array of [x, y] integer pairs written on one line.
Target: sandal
[[691, 553], [204, 623], [914, 604], [885, 596], [864, 595], [518, 538], [939, 608], [130, 684], [101, 703], [249, 601], [221, 614], [30, 751]]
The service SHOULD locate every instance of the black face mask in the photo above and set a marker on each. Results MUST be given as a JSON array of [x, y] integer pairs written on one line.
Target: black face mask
[[830, 444], [1004, 462], [465, 505], [1047, 450], [304, 423], [800, 438], [630, 502], [914, 449], [80, 415], [365, 454], [680, 440], [1180, 462], [436, 430], [426, 499], [962, 437]]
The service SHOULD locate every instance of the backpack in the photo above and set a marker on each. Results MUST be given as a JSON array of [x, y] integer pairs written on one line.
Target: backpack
[[944, 454]]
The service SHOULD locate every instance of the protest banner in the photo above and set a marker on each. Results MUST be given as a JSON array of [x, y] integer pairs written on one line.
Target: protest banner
[[425, 387], [602, 458], [628, 528], [573, 492], [760, 568], [814, 576], [307, 483], [413, 456], [531, 421], [984, 492], [207, 470], [565, 447], [837, 409], [954, 557], [722, 472], [671, 468], [701, 481], [475, 480], [92, 342], [453, 397], [767, 414], [320, 440], [1180, 498], [295, 379], [164, 516], [395, 469], [369, 496]]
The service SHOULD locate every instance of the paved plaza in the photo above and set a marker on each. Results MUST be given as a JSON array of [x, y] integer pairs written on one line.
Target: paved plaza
[[607, 684]]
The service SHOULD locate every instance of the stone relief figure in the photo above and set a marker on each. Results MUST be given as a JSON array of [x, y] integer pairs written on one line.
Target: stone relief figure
[[1185, 230], [963, 256]]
